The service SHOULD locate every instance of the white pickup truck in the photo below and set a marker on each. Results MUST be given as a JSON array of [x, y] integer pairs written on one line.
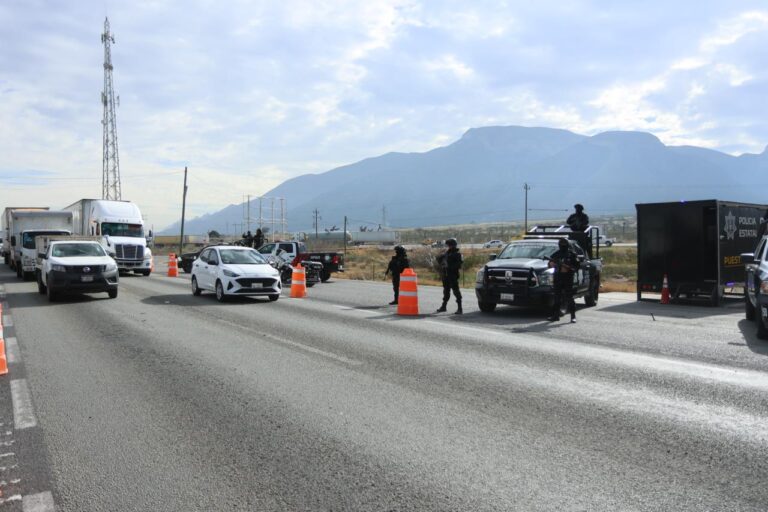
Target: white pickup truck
[[67, 264]]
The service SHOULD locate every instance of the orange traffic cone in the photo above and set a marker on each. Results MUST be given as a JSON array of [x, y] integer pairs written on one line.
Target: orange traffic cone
[[298, 283], [665, 291], [3, 360], [408, 301], [173, 266]]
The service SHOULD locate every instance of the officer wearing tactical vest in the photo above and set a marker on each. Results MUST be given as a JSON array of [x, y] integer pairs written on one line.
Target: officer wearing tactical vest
[[566, 263], [450, 265], [397, 264]]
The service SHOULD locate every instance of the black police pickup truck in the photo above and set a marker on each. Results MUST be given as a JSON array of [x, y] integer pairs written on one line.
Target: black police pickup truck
[[756, 288], [520, 275]]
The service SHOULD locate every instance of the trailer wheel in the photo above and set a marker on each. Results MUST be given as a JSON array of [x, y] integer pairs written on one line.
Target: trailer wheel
[[749, 309]]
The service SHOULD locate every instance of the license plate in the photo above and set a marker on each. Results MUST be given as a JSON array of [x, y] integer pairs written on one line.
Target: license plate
[[508, 296], [257, 285], [86, 279]]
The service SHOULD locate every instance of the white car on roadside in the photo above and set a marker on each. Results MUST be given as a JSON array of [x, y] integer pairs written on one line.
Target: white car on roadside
[[229, 271], [493, 244]]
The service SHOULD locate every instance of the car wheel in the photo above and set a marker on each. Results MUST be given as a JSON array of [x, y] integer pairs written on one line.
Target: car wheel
[[52, 295], [608, 244], [749, 309], [325, 276], [590, 299], [486, 307], [112, 293], [195, 289], [220, 295], [274, 297], [40, 285]]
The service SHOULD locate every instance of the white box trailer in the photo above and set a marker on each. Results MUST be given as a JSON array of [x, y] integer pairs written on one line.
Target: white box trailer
[[5, 251], [120, 226], [28, 224]]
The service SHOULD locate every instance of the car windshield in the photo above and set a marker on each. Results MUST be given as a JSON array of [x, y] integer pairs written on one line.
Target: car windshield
[[528, 250], [122, 229], [75, 250], [241, 257]]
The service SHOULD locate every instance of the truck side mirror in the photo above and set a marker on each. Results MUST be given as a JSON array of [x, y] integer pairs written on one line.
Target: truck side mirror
[[747, 257], [492, 257], [42, 256]]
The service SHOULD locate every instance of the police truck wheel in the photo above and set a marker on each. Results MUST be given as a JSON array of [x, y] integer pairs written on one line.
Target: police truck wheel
[[749, 309], [590, 299], [486, 307], [325, 276], [274, 297]]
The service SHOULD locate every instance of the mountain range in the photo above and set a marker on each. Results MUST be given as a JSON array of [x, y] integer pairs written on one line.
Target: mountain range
[[481, 177]]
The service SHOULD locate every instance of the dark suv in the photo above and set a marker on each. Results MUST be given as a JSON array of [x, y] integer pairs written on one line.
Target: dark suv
[[756, 289]]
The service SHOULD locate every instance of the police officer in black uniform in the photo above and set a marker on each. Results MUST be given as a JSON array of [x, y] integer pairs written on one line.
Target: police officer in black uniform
[[566, 263], [578, 221], [258, 239], [397, 264], [450, 265]]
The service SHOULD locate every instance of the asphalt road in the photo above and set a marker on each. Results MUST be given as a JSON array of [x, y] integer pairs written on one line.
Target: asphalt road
[[159, 400]]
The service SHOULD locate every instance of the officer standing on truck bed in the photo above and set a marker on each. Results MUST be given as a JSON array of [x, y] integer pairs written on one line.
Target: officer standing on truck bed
[[397, 264], [566, 263], [450, 265], [578, 221]]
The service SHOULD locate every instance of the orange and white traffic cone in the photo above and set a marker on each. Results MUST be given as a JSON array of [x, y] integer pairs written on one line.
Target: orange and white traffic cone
[[298, 283], [408, 300], [173, 266], [665, 290]]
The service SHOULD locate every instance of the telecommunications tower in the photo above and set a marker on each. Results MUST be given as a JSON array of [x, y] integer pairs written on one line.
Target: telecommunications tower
[[110, 181]]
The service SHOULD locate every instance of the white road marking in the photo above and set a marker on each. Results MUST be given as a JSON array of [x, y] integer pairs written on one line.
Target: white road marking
[[15, 497], [41, 502], [23, 413], [12, 350], [300, 346], [7, 321]]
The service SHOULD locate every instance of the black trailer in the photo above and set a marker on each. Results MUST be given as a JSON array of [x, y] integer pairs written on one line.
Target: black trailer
[[696, 244]]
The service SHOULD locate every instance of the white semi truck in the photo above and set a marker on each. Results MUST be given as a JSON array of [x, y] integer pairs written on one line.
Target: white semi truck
[[25, 225], [120, 226], [5, 251]]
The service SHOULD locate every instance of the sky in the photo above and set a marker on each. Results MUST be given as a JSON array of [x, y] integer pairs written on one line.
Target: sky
[[247, 94]]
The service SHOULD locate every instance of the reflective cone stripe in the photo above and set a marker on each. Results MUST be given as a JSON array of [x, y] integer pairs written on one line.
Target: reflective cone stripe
[[298, 283], [408, 301], [173, 267]]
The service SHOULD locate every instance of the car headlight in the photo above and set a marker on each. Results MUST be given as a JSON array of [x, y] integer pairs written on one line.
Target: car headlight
[[480, 275], [546, 277], [110, 267], [58, 268], [229, 273]]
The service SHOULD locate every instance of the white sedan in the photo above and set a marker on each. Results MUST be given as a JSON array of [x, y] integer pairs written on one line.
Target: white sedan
[[229, 271], [493, 244]]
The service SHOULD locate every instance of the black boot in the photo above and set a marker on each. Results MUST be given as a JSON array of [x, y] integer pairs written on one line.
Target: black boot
[[393, 302], [573, 318], [459, 311], [442, 309]]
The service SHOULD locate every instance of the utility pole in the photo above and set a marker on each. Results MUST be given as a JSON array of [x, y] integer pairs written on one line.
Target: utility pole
[[183, 211], [110, 161], [316, 213], [526, 187], [345, 238]]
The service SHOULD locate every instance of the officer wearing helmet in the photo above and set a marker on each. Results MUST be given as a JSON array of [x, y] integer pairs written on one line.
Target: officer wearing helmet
[[450, 265], [566, 263], [397, 264]]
